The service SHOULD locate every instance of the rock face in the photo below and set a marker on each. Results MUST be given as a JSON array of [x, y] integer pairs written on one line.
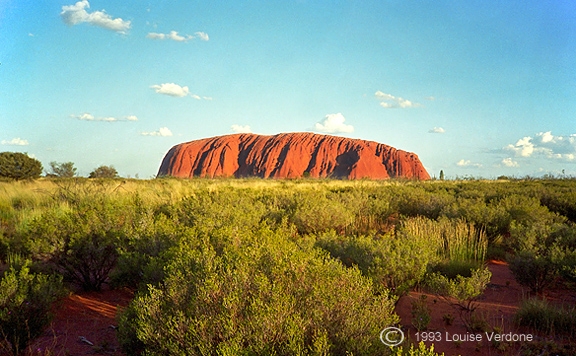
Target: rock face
[[289, 155]]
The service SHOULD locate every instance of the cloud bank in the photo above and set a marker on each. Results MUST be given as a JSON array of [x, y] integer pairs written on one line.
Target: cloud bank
[[389, 101], [333, 123], [545, 144], [89, 117], [17, 141], [163, 132], [75, 14]]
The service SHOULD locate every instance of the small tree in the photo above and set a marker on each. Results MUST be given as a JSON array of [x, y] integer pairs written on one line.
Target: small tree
[[104, 172], [16, 165], [441, 174], [63, 170]]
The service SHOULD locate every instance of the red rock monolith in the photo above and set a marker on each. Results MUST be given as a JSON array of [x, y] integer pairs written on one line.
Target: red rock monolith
[[290, 155]]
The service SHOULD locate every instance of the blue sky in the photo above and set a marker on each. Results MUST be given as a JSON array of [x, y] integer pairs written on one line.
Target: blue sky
[[475, 88]]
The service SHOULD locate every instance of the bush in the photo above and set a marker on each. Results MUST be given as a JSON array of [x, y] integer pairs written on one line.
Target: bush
[[534, 271], [396, 263], [542, 316], [25, 302], [16, 165], [81, 242], [104, 172], [261, 295], [421, 350], [465, 290]]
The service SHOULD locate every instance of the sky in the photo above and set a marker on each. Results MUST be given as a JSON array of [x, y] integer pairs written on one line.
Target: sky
[[475, 88]]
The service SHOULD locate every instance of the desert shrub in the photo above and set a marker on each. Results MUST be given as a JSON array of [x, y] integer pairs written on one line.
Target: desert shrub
[[420, 313], [25, 302], [416, 201], [373, 214], [225, 207], [394, 262], [80, 242], [317, 212], [533, 270], [16, 165], [104, 172], [421, 350], [142, 257], [261, 295], [540, 315], [465, 290], [564, 259]]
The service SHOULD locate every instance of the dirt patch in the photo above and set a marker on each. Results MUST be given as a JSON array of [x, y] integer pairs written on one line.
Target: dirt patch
[[495, 312], [83, 319]]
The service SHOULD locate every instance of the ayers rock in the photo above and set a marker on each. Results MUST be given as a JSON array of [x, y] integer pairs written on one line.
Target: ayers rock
[[289, 155]]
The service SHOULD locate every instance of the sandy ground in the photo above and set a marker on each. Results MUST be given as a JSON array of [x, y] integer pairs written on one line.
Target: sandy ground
[[81, 320]]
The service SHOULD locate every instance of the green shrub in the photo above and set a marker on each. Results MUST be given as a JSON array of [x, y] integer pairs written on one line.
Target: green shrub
[[25, 302], [396, 263], [420, 313], [317, 212], [534, 271], [421, 350], [81, 242], [464, 290], [261, 295], [540, 315]]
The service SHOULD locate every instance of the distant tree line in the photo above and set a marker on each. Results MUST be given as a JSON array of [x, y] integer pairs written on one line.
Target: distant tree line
[[19, 166]]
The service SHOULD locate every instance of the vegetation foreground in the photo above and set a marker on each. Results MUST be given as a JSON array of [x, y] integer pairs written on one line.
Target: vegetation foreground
[[283, 267]]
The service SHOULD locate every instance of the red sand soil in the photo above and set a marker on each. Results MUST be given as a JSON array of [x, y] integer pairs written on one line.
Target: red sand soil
[[496, 306], [89, 315], [92, 315]]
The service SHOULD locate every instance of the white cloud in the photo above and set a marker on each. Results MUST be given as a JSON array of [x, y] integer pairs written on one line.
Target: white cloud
[[547, 145], [163, 131], [171, 89], [156, 36], [17, 141], [241, 129], [389, 101], [333, 123], [467, 163], [174, 36], [508, 162], [75, 14], [203, 36], [177, 91], [89, 117], [437, 130]]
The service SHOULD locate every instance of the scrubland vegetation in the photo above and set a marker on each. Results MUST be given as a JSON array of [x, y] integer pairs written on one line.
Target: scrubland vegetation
[[284, 267]]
